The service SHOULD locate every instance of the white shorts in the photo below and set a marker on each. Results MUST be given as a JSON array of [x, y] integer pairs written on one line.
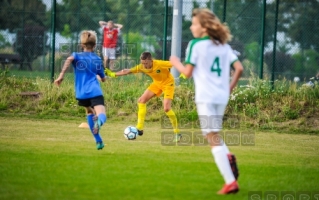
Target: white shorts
[[109, 53], [210, 117]]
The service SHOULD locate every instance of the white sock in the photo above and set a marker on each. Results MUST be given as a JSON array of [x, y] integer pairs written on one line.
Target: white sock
[[225, 147], [222, 163]]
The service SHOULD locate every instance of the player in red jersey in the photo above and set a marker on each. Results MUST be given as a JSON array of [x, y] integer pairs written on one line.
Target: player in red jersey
[[111, 32]]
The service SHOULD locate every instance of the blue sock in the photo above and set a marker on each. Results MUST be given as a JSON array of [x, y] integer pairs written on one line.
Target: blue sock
[[102, 118], [90, 120]]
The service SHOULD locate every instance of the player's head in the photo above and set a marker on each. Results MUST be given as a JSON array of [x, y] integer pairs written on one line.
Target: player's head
[[88, 39], [146, 60], [110, 24], [205, 22]]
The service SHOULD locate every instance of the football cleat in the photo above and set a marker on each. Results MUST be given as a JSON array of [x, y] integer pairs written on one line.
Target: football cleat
[[99, 145], [177, 137], [231, 188], [140, 132]]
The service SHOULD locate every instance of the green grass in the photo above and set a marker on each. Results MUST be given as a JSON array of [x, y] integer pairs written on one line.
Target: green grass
[[54, 159]]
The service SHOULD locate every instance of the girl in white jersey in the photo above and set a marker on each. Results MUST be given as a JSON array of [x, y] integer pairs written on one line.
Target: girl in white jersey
[[208, 61]]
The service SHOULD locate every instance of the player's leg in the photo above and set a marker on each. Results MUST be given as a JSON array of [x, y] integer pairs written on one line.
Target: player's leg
[[90, 119], [172, 118], [220, 109], [210, 116], [146, 96], [90, 115], [112, 57], [98, 104], [222, 162], [168, 97], [105, 57], [98, 119]]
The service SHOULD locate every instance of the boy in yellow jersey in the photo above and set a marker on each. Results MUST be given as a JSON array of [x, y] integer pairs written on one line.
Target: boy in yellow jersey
[[163, 82]]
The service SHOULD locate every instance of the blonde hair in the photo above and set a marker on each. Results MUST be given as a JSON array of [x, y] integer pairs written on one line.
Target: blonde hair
[[217, 31], [88, 39]]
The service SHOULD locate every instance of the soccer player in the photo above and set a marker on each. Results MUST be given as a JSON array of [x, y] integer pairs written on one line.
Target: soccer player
[[87, 66], [110, 36], [208, 61], [163, 82]]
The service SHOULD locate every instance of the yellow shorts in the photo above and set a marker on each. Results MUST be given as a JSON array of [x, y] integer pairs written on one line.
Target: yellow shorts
[[158, 89]]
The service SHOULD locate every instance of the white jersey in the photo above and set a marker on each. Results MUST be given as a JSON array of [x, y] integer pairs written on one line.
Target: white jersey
[[211, 69]]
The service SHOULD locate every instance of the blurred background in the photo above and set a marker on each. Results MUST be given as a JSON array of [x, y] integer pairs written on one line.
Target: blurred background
[[275, 39]]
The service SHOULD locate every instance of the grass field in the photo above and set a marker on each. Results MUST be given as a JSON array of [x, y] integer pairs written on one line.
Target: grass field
[[54, 159]]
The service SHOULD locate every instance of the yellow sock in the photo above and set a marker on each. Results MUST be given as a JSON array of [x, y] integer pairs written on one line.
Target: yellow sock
[[141, 116], [172, 117]]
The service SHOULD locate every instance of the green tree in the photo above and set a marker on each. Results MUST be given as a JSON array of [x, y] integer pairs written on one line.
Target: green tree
[[306, 63], [26, 18], [300, 21], [142, 43], [31, 42], [17, 13], [244, 19], [3, 42]]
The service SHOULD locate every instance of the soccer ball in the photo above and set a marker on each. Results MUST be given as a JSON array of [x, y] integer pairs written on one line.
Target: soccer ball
[[130, 133]]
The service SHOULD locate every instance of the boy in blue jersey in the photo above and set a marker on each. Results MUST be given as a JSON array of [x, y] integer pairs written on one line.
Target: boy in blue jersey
[[87, 66]]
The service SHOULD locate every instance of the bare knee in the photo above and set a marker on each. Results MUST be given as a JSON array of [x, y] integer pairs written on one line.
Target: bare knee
[[214, 139], [141, 100], [167, 106], [89, 111]]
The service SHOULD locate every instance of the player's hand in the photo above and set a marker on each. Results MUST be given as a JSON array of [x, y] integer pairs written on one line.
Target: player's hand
[[182, 76], [58, 81], [174, 60], [109, 73]]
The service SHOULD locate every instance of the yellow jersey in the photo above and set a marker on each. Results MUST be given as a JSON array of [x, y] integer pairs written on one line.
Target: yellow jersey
[[160, 72]]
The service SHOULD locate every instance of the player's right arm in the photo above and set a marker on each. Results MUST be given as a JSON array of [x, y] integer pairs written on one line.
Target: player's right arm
[[66, 65], [115, 74], [186, 70], [123, 72], [102, 23]]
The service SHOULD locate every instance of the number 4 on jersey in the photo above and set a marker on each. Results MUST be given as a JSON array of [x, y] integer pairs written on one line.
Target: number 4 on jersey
[[215, 67]]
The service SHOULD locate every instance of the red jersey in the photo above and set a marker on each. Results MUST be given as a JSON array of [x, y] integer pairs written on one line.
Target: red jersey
[[110, 37]]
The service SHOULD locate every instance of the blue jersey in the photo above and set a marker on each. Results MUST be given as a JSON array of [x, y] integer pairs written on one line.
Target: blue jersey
[[86, 66]]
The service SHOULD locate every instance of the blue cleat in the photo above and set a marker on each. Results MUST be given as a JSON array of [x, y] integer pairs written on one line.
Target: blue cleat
[[99, 145]]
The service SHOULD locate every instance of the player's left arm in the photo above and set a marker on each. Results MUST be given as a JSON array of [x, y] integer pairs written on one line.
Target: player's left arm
[[66, 65], [237, 74], [187, 70], [101, 75], [119, 26]]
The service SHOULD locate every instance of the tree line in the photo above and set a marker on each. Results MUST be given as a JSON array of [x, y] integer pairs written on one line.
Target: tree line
[[297, 25]]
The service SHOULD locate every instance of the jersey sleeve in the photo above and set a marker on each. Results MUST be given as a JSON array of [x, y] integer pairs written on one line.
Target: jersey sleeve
[[135, 69], [100, 69], [165, 64], [75, 59], [191, 55]]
